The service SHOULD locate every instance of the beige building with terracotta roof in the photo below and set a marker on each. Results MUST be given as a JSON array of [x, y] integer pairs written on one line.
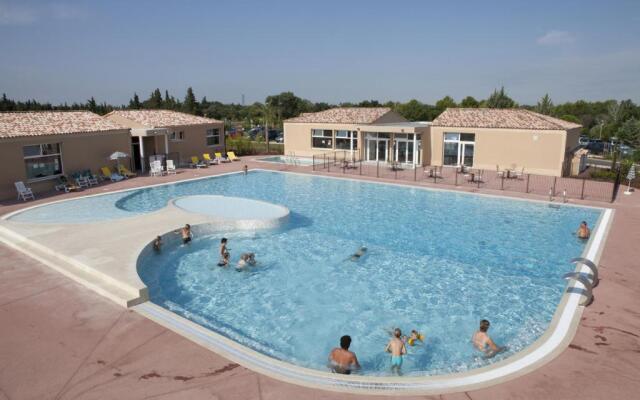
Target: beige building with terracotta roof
[[38, 147], [159, 134], [479, 138]]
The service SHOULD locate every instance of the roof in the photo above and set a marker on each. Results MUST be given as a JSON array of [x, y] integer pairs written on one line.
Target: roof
[[43, 123], [343, 115], [500, 118], [162, 118]]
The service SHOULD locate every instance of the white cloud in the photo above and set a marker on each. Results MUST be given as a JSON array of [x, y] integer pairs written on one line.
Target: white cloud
[[554, 38], [20, 14]]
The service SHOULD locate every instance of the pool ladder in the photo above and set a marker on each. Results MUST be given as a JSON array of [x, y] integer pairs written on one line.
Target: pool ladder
[[589, 281], [291, 159]]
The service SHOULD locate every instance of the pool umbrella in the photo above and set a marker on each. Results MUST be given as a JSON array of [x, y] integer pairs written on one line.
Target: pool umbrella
[[630, 176], [117, 156]]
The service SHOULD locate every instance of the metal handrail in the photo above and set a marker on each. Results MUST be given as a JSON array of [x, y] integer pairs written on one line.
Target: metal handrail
[[577, 276], [588, 263]]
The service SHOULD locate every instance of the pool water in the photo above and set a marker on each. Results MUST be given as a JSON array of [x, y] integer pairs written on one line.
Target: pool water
[[437, 262], [288, 160]]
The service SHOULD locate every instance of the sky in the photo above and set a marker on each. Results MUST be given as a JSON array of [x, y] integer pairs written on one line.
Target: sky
[[331, 51]]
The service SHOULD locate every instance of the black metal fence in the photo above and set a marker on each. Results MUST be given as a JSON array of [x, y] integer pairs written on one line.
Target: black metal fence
[[508, 180]]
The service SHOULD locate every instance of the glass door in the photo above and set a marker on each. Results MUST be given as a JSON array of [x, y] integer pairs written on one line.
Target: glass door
[[466, 154], [382, 149]]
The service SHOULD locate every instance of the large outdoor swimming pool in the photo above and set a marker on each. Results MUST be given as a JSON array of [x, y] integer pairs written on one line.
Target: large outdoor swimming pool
[[437, 261]]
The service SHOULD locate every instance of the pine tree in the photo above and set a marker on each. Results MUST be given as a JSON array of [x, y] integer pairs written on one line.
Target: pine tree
[[134, 103], [92, 105], [155, 100], [190, 104], [499, 99], [545, 105]]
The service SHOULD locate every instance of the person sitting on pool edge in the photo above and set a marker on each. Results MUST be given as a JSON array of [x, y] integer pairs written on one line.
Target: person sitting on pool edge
[[397, 349], [583, 231], [341, 360], [224, 253], [157, 243], [483, 342]]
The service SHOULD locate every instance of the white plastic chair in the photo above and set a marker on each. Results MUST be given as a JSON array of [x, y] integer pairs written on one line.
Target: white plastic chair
[[171, 167], [156, 168], [24, 192]]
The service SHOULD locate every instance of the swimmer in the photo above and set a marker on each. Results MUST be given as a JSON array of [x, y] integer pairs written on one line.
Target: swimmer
[[185, 232], [359, 253], [414, 338], [157, 243], [583, 231], [224, 253], [397, 349], [245, 169], [246, 259], [341, 360], [483, 342]]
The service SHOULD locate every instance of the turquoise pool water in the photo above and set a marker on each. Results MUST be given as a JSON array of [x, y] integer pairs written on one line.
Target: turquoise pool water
[[437, 261], [287, 160]]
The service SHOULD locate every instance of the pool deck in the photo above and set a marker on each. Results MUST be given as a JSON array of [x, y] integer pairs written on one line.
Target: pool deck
[[61, 340]]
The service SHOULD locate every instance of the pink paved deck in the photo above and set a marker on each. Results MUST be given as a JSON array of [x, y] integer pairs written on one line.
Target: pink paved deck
[[60, 340]]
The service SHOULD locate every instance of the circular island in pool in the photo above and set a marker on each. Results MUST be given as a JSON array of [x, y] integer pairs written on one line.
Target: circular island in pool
[[239, 210]]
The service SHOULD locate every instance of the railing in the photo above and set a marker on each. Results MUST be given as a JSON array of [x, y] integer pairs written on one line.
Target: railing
[[588, 281], [560, 188]]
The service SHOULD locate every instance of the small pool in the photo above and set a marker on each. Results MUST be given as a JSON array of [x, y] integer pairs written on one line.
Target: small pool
[[288, 160]]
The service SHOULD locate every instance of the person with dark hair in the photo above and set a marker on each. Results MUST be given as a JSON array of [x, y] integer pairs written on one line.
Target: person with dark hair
[[583, 231], [185, 232], [483, 342], [157, 243], [224, 253], [341, 360]]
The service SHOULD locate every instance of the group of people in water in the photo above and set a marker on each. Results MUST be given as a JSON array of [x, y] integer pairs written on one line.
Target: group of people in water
[[246, 259], [344, 361]]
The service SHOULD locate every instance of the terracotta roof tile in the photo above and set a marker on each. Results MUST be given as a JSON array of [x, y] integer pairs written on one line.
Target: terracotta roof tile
[[343, 115], [500, 118], [163, 118], [43, 123]]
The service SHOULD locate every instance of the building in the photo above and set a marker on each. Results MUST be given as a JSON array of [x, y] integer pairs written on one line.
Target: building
[[480, 138], [164, 132], [486, 138], [374, 134], [38, 147]]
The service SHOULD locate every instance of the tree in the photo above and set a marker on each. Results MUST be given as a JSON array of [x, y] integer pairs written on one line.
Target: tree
[[499, 99], [545, 105], [154, 101], [629, 132], [286, 105], [135, 102], [413, 110], [190, 104], [469, 102], [92, 105], [445, 102]]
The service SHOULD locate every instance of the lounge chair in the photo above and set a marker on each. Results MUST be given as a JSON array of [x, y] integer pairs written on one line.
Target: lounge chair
[[24, 192], [206, 158], [221, 159], [81, 181], [63, 184], [232, 156], [196, 163], [107, 174], [124, 171], [171, 167], [156, 168]]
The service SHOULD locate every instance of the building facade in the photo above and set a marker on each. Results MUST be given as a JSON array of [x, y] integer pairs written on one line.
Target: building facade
[[39, 147]]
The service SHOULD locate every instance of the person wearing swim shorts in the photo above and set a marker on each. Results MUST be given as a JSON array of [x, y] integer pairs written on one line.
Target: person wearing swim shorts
[[397, 349], [341, 360], [224, 253], [483, 342]]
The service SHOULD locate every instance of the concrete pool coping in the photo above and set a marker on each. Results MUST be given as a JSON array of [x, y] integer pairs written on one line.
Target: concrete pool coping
[[385, 385]]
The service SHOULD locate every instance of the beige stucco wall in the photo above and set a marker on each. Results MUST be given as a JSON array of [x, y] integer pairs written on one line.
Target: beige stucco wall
[[538, 151], [79, 152], [194, 142]]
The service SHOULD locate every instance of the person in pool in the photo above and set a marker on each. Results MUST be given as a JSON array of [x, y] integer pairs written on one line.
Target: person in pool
[[157, 243], [397, 349], [245, 169], [246, 259], [185, 232], [224, 253], [359, 253], [414, 338], [341, 360], [483, 342], [583, 231]]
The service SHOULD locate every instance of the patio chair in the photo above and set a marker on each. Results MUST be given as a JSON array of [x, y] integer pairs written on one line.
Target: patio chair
[[232, 156], [107, 174], [171, 168], [24, 192], [519, 174], [221, 159], [206, 158], [63, 184], [80, 180], [156, 168], [499, 173], [124, 171], [196, 163]]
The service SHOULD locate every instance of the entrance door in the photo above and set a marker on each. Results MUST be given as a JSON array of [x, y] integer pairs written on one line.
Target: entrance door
[[466, 154], [135, 152], [377, 149]]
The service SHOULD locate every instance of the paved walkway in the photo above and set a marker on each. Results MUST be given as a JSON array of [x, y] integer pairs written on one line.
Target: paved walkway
[[59, 340]]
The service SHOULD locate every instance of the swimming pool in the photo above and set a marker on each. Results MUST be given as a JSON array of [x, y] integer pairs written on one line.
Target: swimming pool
[[301, 161]]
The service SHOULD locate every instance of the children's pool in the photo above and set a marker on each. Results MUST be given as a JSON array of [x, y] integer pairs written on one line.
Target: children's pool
[[301, 161]]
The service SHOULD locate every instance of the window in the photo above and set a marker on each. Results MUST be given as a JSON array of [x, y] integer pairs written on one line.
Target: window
[[322, 138], [176, 136], [42, 160], [213, 137], [347, 140], [459, 148]]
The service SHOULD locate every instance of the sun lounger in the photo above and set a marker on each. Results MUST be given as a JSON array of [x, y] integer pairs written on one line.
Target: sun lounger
[[24, 192], [221, 159], [196, 163], [206, 158], [232, 156], [107, 174], [124, 171], [171, 167], [63, 184]]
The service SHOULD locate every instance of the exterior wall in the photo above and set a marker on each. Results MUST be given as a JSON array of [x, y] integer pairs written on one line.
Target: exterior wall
[[573, 137], [538, 151], [194, 142], [79, 152]]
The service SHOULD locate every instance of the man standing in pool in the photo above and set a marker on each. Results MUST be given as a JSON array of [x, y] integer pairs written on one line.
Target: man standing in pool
[[341, 360], [397, 349], [483, 342], [186, 234], [583, 231], [224, 253]]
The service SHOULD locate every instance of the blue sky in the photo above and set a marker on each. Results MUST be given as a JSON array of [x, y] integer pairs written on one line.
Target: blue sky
[[331, 51]]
